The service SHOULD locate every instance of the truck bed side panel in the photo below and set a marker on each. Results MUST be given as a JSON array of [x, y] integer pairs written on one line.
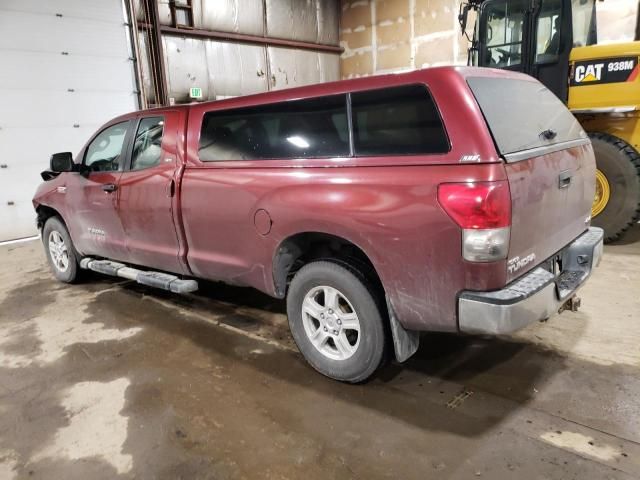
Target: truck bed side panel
[[391, 213]]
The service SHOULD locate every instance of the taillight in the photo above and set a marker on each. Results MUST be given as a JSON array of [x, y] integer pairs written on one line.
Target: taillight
[[483, 211]]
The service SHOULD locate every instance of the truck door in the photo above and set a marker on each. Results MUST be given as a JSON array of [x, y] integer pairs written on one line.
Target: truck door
[[147, 203], [551, 45], [503, 30], [92, 195]]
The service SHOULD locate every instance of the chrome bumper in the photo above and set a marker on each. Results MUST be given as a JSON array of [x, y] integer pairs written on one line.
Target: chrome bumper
[[536, 296]]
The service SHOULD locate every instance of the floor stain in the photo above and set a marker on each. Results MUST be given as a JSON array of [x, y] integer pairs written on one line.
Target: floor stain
[[581, 444], [95, 427]]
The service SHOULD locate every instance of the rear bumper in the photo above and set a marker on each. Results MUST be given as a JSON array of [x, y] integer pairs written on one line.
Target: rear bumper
[[535, 296]]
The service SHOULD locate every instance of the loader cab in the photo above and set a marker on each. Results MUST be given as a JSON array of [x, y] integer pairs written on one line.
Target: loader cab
[[533, 36]]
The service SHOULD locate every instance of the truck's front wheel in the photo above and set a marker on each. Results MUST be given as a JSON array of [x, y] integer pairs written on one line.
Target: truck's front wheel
[[59, 250], [336, 321], [617, 202]]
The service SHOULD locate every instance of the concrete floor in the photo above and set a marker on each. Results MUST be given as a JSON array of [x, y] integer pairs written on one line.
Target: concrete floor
[[107, 379]]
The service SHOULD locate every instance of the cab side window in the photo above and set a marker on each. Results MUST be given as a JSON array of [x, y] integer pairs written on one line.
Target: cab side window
[[104, 153], [311, 128], [147, 145], [548, 33], [397, 121]]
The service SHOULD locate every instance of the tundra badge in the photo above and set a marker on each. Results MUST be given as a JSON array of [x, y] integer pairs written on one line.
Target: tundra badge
[[516, 263]]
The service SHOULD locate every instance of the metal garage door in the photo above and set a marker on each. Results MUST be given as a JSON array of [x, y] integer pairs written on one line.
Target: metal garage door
[[65, 69]]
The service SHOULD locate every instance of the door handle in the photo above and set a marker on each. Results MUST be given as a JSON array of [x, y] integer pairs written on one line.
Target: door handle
[[171, 188], [109, 187], [564, 179]]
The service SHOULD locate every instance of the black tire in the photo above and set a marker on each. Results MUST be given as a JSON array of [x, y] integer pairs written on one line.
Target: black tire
[[620, 164], [70, 274], [353, 286]]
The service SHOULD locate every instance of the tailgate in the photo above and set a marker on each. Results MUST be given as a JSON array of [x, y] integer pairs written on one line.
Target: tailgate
[[549, 163], [551, 197]]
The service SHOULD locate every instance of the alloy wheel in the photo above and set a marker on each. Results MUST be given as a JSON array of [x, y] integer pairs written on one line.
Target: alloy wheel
[[330, 322], [58, 251]]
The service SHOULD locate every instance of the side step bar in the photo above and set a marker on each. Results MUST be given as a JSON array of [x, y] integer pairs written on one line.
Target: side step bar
[[161, 280]]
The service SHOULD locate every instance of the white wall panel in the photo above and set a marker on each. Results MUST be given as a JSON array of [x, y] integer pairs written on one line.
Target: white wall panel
[[106, 11], [329, 67], [44, 93], [58, 139], [238, 16], [292, 19], [314, 21], [186, 66], [328, 22], [56, 35], [164, 12], [294, 68], [248, 73], [57, 72]]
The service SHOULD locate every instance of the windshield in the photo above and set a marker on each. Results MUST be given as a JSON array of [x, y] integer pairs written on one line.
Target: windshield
[[523, 114]]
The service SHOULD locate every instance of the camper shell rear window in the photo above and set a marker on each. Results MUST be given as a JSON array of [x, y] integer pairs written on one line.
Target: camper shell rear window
[[524, 114]]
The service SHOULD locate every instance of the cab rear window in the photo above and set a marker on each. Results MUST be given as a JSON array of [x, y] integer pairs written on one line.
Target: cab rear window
[[523, 114]]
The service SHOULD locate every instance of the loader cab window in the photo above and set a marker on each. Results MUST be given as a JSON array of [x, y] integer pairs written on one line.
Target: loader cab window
[[584, 22], [548, 31], [503, 28]]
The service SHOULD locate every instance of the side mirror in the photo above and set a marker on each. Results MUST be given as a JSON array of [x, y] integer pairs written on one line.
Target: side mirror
[[61, 162]]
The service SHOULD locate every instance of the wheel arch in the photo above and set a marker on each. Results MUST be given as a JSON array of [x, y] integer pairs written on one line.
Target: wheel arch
[[44, 213], [298, 249]]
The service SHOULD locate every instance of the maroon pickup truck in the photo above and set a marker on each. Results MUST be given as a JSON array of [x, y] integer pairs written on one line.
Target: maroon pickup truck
[[447, 199]]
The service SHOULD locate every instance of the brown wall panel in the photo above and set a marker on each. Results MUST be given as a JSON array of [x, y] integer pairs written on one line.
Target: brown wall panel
[[380, 36]]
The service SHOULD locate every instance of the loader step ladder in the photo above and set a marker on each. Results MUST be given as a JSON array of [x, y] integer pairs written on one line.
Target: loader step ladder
[[161, 280]]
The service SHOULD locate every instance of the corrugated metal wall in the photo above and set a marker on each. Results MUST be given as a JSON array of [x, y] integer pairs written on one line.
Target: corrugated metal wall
[[224, 68]]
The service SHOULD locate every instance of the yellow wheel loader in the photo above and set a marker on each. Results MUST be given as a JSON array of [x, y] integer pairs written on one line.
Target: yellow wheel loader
[[555, 41]]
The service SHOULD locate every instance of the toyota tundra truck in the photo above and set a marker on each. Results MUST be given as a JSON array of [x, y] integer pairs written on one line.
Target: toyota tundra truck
[[450, 199]]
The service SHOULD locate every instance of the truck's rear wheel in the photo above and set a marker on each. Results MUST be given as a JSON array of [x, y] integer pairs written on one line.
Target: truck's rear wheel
[[336, 321], [616, 205], [59, 250]]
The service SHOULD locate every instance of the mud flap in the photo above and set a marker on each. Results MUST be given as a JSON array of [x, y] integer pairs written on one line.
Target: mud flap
[[405, 342]]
